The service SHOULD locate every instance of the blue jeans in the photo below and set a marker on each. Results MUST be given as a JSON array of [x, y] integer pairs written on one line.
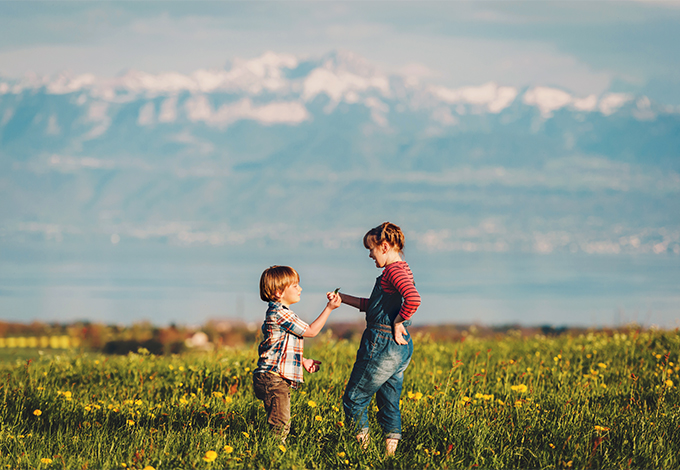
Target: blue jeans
[[378, 370]]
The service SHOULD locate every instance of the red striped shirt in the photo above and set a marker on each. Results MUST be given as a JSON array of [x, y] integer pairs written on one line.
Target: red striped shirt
[[397, 277]]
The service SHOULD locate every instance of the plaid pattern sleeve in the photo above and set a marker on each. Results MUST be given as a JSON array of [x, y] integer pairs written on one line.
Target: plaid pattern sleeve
[[281, 348]]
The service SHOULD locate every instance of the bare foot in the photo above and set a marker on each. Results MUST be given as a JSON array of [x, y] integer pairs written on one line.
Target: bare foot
[[363, 440], [391, 446]]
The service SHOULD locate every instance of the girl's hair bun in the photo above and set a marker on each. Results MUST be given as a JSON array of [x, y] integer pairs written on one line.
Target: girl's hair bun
[[385, 232]]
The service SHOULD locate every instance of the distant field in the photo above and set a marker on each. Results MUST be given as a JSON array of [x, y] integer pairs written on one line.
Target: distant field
[[591, 400]]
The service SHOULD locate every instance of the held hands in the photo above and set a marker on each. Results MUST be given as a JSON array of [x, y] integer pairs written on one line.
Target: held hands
[[400, 333], [334, 299], [310, 365]]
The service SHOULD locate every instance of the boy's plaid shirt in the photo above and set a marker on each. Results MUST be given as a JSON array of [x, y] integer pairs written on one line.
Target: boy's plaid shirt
[[281, 349]]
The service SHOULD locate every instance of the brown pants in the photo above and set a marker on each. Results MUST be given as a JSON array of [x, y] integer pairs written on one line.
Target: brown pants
[[275, 393]]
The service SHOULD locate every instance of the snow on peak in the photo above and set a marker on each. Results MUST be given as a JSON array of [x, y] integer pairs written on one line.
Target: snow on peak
[[547, 99], [342, 75], [589, 103], [611, 102], [280, 112], [346, 61], [491, 96], [268, 64], [64, 83], [170, 82]]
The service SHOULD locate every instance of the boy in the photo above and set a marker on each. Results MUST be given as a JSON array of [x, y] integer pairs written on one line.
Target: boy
[[280, 353]]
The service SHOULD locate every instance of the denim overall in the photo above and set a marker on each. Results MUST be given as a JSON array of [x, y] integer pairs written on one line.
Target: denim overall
[[379, 367]]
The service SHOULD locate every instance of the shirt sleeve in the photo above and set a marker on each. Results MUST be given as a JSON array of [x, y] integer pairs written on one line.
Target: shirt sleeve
[[401, 278], [363, 304], [289, 321]]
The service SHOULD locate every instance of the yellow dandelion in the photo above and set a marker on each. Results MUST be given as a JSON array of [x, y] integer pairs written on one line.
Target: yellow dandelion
[[601, 429], [488, 397], [130, 422], [465, 398], [602, 365], [171, 367], [311, 404], [340, 424], [478, 395], [183, 401], [318, 418], [210, 456], [46, 461], [336, 409], [669, 383], [282, 448], [149, 467], [245, 434], [228, 400], [341, 455], [418, 396], [552, 446], [217, 394], [38, 412], [410, 394], [346, 462], [521, 388], [228, 449], [518, 404]]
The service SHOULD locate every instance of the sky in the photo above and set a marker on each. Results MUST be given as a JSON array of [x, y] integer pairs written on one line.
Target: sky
[[582, 47]]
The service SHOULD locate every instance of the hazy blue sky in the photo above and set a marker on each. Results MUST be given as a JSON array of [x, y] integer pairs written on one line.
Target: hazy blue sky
[[584, 47]]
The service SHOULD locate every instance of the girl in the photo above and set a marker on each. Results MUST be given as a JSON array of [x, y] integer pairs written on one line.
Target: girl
[[386, 346]]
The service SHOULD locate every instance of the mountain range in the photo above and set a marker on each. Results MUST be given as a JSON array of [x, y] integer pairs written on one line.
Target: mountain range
[[312, 151]]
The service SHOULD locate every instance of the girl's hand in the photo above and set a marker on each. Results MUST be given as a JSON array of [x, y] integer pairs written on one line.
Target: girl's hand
[[400, 334], [310, 365], [334, 299]]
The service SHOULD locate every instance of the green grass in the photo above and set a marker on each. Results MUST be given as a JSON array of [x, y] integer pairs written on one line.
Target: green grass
[[591, 401]]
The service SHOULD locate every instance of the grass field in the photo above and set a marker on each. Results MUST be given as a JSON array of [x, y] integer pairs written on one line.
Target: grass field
[[589, 401]]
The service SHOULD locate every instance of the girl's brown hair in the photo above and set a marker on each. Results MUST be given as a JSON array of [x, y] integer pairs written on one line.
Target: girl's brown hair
[[385, 232], [274, 280]]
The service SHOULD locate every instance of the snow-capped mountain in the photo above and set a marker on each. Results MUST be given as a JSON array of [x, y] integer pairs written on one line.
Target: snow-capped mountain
[[212, 156]]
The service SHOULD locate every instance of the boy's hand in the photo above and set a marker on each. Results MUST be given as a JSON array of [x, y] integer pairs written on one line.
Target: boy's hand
[[400, 333], [310, 365], [334, 299]]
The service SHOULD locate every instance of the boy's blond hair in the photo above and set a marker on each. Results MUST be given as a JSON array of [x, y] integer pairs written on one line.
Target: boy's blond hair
[[275, 280]]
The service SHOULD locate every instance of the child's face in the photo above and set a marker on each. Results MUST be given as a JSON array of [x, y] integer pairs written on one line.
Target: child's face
[[291, 294], [381, 254]]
